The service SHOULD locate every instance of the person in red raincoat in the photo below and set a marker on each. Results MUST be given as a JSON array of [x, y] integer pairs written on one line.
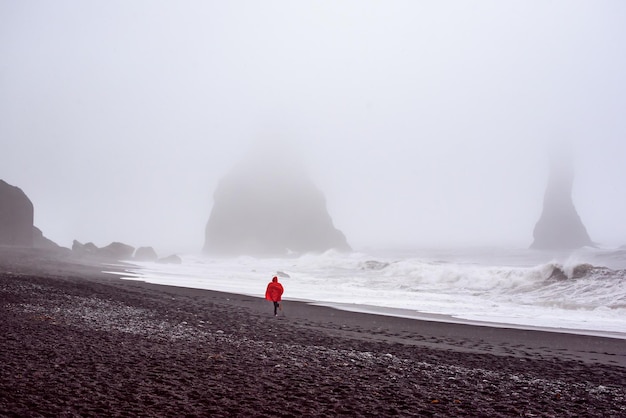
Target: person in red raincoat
[[274, 293]]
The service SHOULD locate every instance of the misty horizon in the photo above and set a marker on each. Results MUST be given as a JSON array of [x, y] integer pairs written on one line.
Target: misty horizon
[[423, 125]]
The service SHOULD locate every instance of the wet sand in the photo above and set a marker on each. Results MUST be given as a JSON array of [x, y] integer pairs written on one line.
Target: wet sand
[[77, 342]]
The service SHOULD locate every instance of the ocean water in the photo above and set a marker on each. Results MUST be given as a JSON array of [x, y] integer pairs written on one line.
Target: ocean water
[[578, 292]]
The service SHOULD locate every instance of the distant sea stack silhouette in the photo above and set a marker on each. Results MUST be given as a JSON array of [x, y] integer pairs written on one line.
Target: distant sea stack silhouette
[[560, 227], [268, 206]]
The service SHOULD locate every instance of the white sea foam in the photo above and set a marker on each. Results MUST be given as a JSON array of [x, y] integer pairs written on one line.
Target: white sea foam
[[506, 287]]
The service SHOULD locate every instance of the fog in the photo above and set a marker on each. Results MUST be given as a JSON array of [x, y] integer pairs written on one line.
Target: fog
[[423, 123]]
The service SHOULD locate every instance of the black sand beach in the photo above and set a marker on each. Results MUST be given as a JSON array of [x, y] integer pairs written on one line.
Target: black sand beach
[[77, 342]]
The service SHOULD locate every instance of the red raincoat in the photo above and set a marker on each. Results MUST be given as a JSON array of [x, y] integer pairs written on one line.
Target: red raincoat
[[274, 290]]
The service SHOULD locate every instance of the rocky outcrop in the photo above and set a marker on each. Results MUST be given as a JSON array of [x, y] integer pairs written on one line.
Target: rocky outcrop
[[145, 254], [16, 221], [580, 271], [117, 251], [84, 249], [113, 251], [16, 217], [39, 241], [560, 227], [171, 259], [268, 206]]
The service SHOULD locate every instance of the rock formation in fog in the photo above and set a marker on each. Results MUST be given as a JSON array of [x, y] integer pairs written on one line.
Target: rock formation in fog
[[39, 241], [16, 217], [560, 227], [113, 251], [16, 220], [268, 206], [145, 254], [120, 252], [170, 259]]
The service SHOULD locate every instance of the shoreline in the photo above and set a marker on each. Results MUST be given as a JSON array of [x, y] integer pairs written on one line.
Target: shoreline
[[404, 313], [432, 317], [77, 341], [498, 339], [582, 315]]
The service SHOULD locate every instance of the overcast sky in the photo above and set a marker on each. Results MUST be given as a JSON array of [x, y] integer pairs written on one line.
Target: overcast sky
[[423, 123]]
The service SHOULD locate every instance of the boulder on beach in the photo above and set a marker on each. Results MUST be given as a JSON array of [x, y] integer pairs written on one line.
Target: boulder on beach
[[560, 226], [269, 206], [16, 217]]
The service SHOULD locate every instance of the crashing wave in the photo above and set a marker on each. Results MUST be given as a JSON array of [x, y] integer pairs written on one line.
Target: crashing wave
[[579, 271], [373, 265], [560, 273]]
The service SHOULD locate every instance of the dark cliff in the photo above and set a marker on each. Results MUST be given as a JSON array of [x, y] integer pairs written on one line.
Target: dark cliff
[[16, 217]]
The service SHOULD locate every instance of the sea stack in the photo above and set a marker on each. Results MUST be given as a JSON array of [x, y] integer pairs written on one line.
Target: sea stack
[[560, 227], [267, 206]]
